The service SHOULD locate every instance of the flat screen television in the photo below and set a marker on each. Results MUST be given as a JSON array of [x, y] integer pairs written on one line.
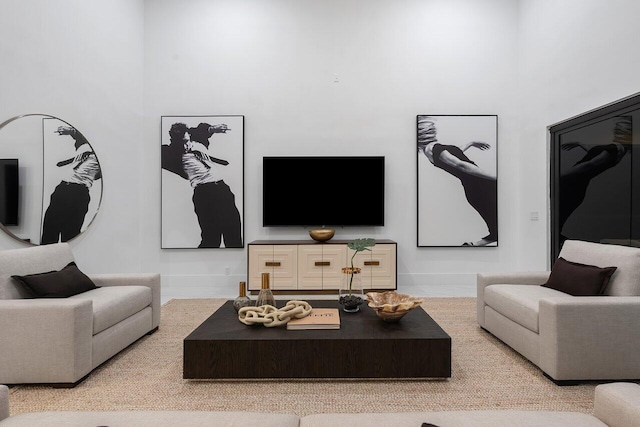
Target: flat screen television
[[323, 191], [9, 185]]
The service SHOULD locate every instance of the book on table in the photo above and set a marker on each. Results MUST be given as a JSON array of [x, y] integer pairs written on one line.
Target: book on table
[[319, 318]]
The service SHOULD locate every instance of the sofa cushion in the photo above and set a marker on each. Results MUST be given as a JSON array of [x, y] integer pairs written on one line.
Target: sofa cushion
[[112, 304], [519, 303], [151, 419], [35, 259], [67, 282], [578, 279], [625, 280], [479, 418]]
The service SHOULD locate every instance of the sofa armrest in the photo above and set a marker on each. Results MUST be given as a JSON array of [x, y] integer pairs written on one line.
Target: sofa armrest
[[4, 402], [46, 340], [590, 337], [152, 280], [618, 404], [513, 278]]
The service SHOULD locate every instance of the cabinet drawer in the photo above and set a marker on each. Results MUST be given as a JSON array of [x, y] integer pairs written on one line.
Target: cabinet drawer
[[311, 266], [378, 266], [320, 266], [280, 261]]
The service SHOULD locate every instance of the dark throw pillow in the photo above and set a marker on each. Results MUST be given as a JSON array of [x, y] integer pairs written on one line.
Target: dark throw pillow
[[578, 279], [57, 284]]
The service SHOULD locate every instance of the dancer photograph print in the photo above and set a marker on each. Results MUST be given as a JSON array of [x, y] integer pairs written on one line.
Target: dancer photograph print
[[68, 211], [202, 159], [457, 181]]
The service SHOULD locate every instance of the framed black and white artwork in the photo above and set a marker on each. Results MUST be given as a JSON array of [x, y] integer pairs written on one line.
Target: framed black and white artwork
[[457, 182], [202, 182]]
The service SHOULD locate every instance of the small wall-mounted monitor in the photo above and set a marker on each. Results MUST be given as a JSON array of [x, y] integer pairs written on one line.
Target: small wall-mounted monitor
[[318, 191], [9, 191]]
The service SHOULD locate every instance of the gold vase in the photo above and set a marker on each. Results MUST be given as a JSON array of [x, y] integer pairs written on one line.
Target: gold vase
[[265, 297]]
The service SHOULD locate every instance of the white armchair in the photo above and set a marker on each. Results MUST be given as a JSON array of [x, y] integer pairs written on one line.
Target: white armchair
[[59, 341], [570, 338]]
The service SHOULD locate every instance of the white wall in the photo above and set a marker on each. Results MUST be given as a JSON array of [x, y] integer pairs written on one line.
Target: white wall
[[83, 62], [575, 56], [275, 62], [114, 68]]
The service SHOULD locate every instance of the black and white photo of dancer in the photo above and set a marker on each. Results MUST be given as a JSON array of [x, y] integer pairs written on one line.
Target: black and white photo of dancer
[[479, 185], [188, 156], [70, 200]]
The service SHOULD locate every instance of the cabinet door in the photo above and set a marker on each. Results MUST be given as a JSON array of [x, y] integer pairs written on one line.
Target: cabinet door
[[378, 266], [280, 261], [320, 266]]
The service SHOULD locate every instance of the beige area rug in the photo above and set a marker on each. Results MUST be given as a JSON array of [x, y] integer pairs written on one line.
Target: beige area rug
[[486, 374]]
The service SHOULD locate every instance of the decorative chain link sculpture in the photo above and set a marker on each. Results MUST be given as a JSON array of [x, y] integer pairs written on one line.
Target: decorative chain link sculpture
[[270, 316]]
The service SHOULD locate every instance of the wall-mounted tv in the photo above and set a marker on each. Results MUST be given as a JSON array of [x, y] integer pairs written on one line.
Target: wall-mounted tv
[[9, 185], [323, 191]]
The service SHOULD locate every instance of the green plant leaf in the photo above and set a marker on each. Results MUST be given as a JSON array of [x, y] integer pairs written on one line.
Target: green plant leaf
[[360, 245]]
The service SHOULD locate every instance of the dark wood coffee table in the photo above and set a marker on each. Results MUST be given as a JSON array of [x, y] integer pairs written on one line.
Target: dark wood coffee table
[[364, 347]]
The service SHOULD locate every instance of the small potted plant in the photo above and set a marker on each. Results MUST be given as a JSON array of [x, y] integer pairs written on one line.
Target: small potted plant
[[350, 294]]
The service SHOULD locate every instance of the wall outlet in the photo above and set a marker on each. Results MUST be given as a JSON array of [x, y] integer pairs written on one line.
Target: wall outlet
[[227, 271], [534, 216]]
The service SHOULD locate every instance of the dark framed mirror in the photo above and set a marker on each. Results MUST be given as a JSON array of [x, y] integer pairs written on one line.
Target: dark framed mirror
[[595, 177], [50, 179]]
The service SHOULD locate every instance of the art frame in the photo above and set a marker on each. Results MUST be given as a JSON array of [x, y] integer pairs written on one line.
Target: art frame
[[457, 180], [202, 182]]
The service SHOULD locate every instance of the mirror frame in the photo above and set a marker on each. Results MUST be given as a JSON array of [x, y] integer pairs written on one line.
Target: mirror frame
[[49, 116]]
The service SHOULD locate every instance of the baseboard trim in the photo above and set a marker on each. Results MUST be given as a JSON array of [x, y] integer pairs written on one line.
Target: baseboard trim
[[226, 286]]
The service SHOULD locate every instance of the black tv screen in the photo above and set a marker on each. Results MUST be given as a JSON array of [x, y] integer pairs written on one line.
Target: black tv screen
[[323, 191], [9, 191]]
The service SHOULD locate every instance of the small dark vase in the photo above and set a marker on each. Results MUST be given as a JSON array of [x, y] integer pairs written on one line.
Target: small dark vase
[[243, 300]]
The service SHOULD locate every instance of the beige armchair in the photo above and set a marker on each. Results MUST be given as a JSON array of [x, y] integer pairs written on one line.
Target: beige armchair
[[570, 338], [59, 341]]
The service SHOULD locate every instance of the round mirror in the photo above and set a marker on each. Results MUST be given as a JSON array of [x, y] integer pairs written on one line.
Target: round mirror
[[50, 180]]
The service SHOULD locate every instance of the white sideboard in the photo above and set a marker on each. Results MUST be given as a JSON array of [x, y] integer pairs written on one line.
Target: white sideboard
[[307, 265]]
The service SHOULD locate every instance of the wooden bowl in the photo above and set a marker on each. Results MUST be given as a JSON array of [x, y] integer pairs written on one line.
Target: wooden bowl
[[391, 306]]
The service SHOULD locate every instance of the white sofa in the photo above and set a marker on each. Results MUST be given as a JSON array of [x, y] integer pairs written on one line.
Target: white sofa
[[59, 341], [570, 338], [615, 405]]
